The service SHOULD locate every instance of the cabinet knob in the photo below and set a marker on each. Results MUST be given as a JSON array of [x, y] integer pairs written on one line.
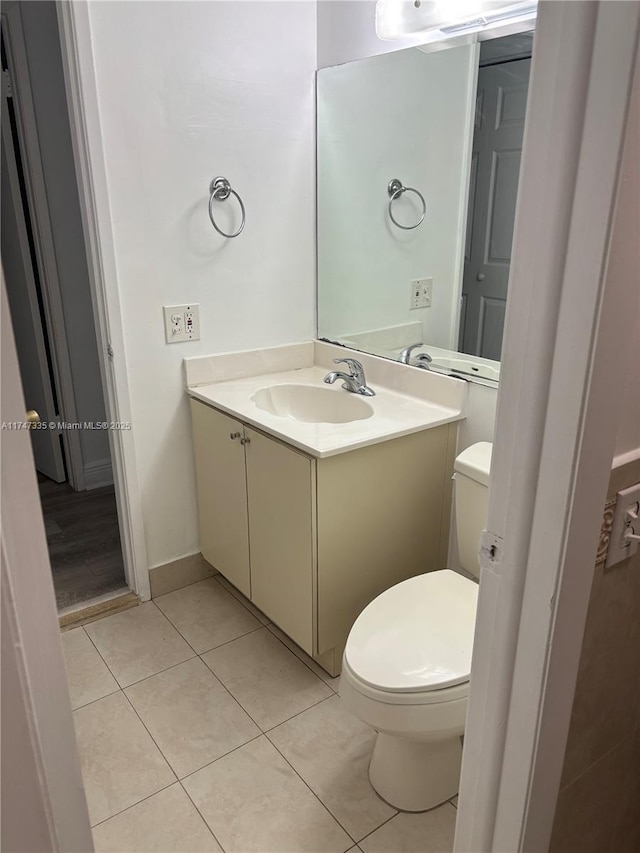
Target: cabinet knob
[[234, 435], [245, 441]]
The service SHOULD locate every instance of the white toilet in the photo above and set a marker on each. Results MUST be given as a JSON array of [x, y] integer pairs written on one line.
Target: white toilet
[[407, 661]]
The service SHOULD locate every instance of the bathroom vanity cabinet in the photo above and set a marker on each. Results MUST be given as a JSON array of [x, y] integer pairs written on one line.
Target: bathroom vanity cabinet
[[311, 541]]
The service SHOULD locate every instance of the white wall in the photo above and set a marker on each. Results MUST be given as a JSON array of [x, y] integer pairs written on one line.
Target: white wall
[[481, 416], [405, 115], [188, 91], [42, 41]]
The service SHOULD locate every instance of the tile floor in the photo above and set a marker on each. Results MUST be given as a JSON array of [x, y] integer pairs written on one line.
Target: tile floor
[[201, 727]]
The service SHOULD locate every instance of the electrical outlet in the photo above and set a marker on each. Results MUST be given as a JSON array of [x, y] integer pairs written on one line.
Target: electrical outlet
[[625, 528], [181, 323], [420, 293]]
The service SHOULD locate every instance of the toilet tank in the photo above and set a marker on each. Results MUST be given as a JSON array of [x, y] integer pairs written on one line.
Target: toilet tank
[[471, 477]]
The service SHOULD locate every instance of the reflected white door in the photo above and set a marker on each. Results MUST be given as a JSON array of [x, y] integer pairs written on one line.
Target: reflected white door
[[26, 314], [495, 170]]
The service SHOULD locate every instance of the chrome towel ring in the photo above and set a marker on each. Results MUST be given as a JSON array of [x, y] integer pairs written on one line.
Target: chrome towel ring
[[395, 189], [220, 190]]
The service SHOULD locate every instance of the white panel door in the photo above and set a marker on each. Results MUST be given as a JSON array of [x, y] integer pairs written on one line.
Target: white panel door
[[497, 148], [26, 313]]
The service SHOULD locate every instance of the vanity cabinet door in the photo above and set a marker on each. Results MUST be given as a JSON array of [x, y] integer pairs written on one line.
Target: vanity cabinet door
[[222, 493], [281, 492]]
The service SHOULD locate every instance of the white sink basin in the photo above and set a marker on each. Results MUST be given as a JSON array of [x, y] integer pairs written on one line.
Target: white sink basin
[[310, 404]]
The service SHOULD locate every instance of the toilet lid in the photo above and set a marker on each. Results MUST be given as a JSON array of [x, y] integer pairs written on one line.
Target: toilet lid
[[416, 636]]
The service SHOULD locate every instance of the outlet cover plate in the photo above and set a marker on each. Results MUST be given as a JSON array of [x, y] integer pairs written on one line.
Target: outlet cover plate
[[420, 293], [627, 506], [181, 323]]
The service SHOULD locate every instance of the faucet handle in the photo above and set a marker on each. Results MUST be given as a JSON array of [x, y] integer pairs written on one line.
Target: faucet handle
[[353, 364]]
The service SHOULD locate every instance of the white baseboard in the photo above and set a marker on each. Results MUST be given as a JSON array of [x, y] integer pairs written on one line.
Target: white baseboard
[[98, 474]]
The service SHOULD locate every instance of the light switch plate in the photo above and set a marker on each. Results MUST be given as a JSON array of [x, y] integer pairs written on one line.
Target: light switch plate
[[626, 523], [181, 323]]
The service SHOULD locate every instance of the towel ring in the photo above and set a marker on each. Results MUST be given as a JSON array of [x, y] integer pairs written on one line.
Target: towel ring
[[395, 189], [220, 190]]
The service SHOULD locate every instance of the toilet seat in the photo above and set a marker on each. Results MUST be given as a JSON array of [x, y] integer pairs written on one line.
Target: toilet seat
[[413, 643], [397, 697]]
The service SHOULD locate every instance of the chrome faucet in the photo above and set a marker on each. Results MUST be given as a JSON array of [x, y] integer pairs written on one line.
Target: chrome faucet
[[421, 360], [354, 381]]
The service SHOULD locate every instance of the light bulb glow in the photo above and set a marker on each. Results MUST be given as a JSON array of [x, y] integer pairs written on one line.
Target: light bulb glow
[[434, 20]]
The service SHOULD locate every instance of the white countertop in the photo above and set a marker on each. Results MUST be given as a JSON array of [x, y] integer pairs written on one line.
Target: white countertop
[[394, 413]]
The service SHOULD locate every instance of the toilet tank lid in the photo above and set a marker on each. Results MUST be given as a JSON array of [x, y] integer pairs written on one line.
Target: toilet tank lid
[[475, 462]]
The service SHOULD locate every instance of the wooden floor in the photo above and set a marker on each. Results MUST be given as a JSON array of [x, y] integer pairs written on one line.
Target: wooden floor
[[84, 541]]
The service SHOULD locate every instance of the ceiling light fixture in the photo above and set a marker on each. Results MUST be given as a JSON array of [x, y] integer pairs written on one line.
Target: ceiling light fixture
[[434, 20]]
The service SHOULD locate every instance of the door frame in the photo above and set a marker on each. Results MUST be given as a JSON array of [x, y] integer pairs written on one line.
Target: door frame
[[84, 119], [43, 237], [555, 436]]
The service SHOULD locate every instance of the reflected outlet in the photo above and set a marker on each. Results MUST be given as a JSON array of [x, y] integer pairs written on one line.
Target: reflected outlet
[[420, 293], [181, 323]]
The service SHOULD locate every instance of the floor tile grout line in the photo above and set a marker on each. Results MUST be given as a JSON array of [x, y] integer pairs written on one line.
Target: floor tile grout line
[[180, 778], [195, 653], [237, 593], [235, 699], [164, 616], [264, 731], [266, 625], [160, 671], [202, 817], [304, 781], [220, 757], [101, 656], [299, 658], [298, 714], [384, 823], [146, 728], [133, 805], [138, 715], [99, 699], [226, 642], [200, 656]]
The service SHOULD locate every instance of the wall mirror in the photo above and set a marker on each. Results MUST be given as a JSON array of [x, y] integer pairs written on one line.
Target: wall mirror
[[418, 165]]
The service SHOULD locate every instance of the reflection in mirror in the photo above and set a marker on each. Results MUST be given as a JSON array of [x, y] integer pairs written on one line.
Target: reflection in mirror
[[418, 165]]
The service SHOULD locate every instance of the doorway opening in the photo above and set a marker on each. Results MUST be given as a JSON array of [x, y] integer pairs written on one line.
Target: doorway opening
[[501, 103], [47, 278]]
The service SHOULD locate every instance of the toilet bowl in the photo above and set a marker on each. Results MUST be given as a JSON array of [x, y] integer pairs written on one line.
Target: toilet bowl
[[407, 662]]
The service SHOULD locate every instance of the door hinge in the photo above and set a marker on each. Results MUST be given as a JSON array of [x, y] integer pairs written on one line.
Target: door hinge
[[110, 351], [7, 88]]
